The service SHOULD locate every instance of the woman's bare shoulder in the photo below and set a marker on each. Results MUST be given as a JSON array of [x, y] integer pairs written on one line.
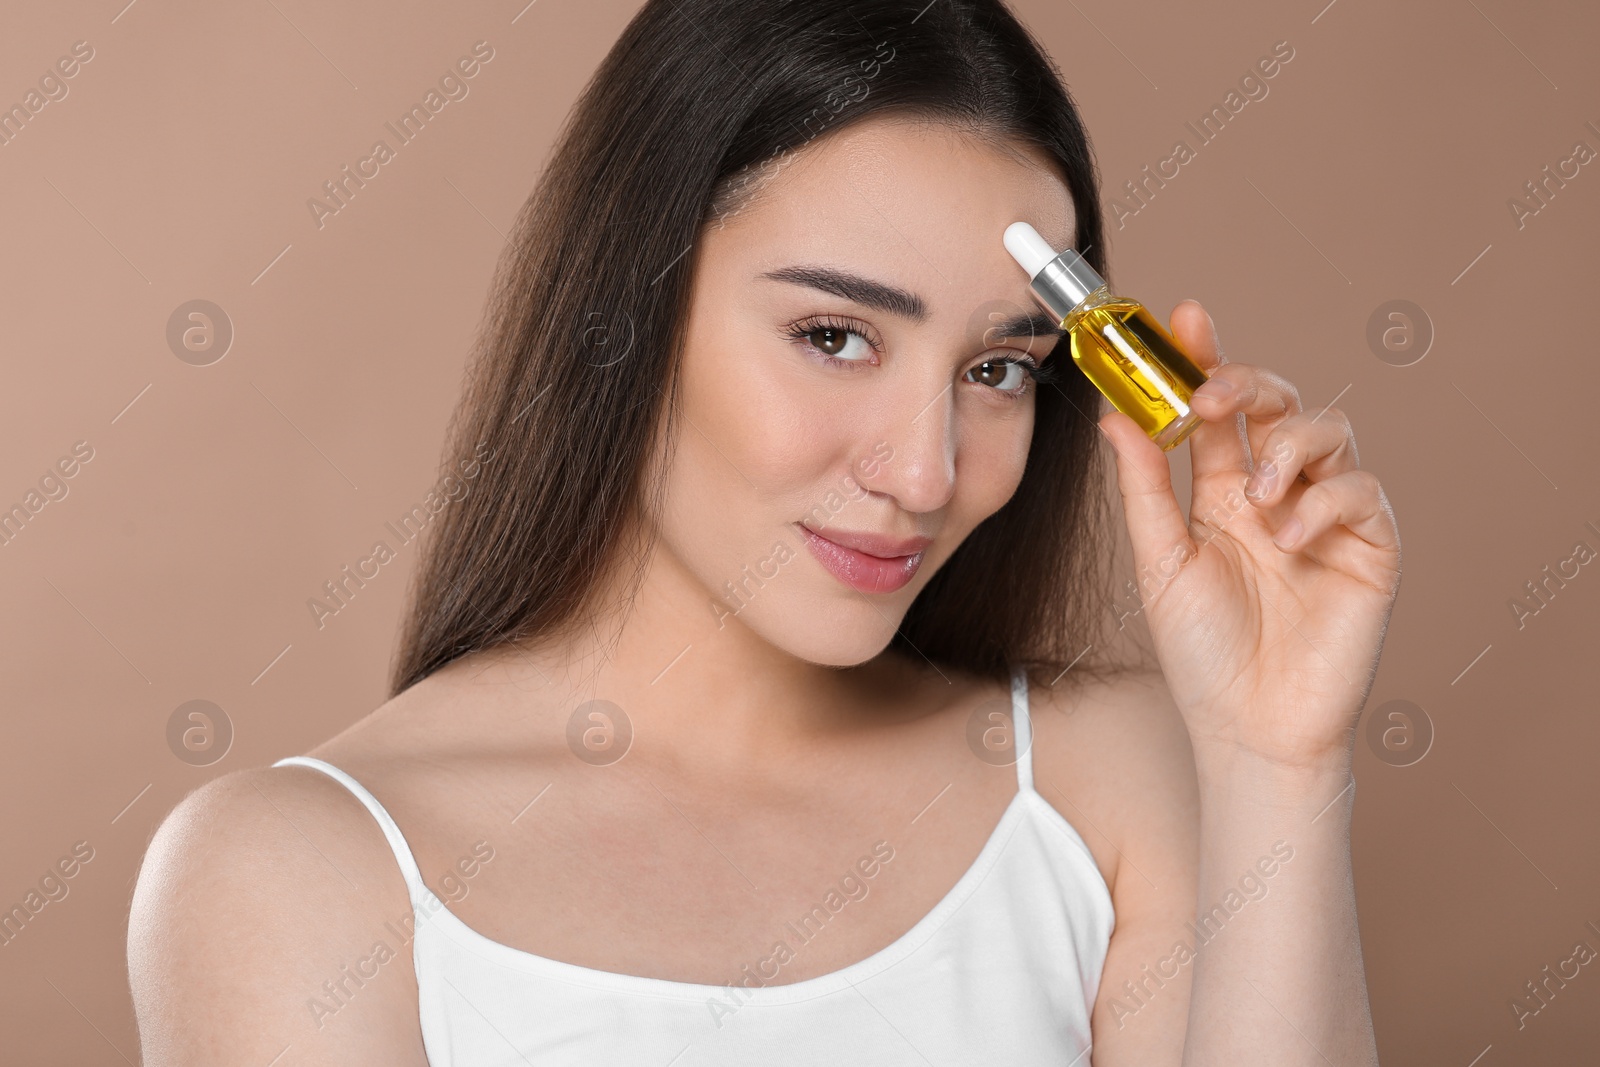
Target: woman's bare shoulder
[[260, 895], [1113, 755]]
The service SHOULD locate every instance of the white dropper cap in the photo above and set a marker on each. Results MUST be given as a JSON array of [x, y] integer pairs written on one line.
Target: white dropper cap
[[1028, 248], [1059, 281]]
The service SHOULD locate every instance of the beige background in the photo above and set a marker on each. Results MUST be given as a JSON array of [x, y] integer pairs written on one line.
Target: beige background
[[220, 498]]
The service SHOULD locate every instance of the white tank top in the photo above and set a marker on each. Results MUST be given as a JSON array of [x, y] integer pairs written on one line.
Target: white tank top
[[1004, 970]]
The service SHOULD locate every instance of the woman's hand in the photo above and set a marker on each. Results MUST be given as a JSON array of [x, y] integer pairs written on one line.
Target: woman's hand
[[1268, 651]]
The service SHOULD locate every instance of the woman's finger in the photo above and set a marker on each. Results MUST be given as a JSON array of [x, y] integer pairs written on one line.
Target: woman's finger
[[1156, 526], [1321, 445], [1219, 443], [1265, 399], [1224, 443], [1353, 499]]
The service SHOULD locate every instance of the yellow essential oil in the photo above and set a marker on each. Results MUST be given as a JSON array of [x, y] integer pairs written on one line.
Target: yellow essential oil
[[1137, 364], [1116, 342]]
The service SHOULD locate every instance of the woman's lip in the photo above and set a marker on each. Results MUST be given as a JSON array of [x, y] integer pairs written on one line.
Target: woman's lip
[[873, 544], [860, 570]]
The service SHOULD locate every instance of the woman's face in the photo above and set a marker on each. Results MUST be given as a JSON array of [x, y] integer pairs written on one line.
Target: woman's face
[[846, 371]]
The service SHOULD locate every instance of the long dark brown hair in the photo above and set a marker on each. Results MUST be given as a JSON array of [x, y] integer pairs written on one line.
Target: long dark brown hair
[[576, 359]]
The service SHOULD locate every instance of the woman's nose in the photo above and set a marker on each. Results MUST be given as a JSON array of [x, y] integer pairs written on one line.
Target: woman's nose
[[921, 431]]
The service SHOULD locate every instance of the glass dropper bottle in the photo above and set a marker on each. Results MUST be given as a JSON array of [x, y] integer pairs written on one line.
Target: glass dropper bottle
[[1116, 342]]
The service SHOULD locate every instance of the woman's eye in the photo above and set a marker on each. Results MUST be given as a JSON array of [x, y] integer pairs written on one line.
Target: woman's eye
[[1006, 375], [837, 342]]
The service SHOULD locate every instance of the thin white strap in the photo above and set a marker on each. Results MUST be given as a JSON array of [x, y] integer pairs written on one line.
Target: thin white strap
[[397, 843], [1022, 728]]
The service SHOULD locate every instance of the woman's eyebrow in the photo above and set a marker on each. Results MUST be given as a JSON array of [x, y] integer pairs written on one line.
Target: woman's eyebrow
[[854, 287], [1037, 324], [884, 297]]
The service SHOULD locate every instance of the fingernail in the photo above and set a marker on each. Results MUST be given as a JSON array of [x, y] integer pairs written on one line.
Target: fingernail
[[1216, 389], [1288, 533]]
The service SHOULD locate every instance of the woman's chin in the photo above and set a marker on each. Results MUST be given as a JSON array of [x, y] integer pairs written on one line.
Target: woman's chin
[[830, 642]]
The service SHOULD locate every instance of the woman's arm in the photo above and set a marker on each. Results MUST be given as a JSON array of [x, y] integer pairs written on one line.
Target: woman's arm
[[1267, 606], [1235, 937], [1281, 979], [1115, 760]]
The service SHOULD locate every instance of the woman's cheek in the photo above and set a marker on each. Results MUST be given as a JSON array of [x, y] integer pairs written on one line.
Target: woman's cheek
[[772, 423], [991, 464], [782, 446]]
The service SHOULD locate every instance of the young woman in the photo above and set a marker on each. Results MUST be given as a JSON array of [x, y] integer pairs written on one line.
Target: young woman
[[751, 706]]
